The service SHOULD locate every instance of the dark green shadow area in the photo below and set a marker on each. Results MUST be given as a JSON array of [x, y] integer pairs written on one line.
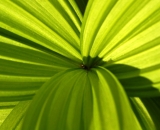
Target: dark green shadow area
[[133, 83], [152, 106], [128, 76], [92, 62], [16, 98], [82, 5], [8, 105]]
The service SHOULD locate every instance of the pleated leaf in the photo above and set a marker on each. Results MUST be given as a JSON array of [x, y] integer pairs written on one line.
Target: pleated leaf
[[147, 111], [11, 123], [22, 22], [96, 62], [76, 99], [120, 34], [32, 41]]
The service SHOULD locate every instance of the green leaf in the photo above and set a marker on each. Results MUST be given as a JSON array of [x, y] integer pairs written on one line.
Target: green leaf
[[4, 113], [27, 61], [11, 122], [137, 82], [36, 30], [147, 111], [77, 99], [44, 39], [94, 16], [120, 34]]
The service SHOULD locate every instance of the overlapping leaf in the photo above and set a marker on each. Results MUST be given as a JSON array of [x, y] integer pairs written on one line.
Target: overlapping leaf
[[147, 111], [39, 39], [11, 122], [116, 34], [35, 44], [28, 46]]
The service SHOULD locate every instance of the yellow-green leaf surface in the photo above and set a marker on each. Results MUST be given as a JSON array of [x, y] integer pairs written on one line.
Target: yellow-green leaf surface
[[91, 65], [5, 109], [32, 41], [11, 123], [31, 33], [93, 100], [36, 30]]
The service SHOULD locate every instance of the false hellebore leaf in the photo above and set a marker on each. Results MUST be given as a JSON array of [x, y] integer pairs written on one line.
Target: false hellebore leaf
[[79, 65], [85, 101]]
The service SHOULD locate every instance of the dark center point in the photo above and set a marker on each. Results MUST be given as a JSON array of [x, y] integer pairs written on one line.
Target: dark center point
[[84, 67]]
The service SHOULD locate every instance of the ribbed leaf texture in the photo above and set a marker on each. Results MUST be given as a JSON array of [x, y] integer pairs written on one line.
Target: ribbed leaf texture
[[79, 65]]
